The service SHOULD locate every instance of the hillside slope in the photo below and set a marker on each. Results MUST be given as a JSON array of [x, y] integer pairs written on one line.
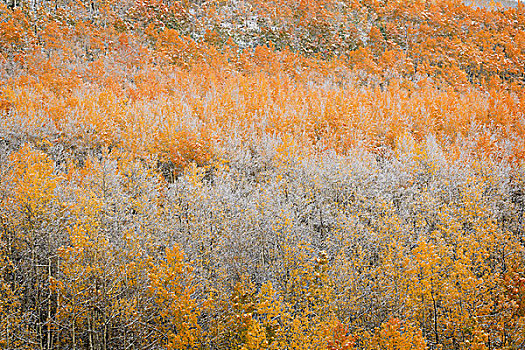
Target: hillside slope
[[262, 175]]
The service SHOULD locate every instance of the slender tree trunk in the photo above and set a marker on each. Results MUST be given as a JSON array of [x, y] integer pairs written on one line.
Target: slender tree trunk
[[90, 323], [435, 318], [7, 333], [49, 333], [74, 336]]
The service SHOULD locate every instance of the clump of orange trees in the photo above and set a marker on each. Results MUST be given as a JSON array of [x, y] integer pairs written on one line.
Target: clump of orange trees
[[262, 175]]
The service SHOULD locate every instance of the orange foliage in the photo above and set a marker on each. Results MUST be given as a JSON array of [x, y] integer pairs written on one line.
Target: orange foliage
[[133, 130]]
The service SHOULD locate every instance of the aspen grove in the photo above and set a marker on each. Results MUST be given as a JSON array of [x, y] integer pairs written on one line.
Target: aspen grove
[[262, 174]]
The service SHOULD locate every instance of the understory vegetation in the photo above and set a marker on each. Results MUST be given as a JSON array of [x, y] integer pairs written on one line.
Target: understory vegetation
[[262, 175]]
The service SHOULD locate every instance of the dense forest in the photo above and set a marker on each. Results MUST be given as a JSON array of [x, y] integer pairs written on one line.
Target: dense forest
[[262, 174]]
